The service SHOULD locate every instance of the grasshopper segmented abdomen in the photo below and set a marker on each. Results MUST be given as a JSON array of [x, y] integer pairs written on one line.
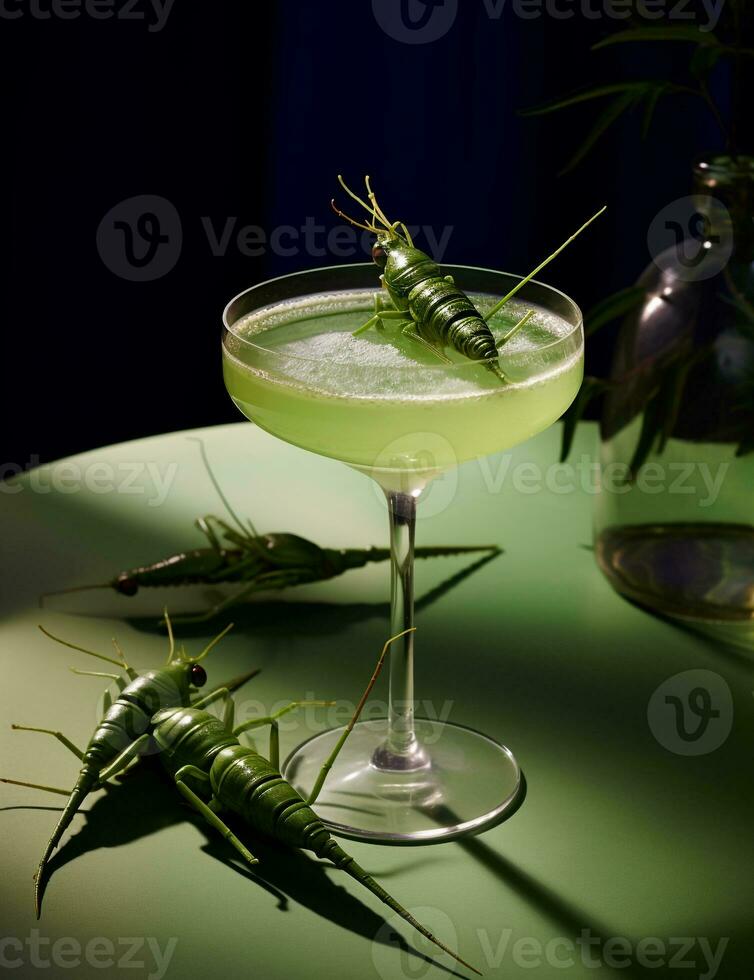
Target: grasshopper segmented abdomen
[[239, 779], [441, 314], [124, 733]]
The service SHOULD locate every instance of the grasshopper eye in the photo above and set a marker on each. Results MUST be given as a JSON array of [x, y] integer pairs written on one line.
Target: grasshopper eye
[[126, 585], [197, 675], [379, 255]]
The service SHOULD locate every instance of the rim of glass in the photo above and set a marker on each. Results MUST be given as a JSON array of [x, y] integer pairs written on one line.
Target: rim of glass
[[576, 326]]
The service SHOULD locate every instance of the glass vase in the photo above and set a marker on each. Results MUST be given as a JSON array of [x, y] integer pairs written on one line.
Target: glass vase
[[674, 520]]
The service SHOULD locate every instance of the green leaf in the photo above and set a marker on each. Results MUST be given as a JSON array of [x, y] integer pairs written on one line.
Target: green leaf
[[671, 396], [704, 60], [651, 427], [590, 389], [691, 35], [601, 92], [613, 307], [649, 111], [629, 95], [604, 121]]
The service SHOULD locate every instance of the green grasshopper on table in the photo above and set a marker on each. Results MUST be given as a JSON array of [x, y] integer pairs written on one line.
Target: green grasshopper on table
[[238, 554], [124, 733], [214, 772]]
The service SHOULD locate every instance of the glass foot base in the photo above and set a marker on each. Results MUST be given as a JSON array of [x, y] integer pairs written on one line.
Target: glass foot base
[[465, 783]]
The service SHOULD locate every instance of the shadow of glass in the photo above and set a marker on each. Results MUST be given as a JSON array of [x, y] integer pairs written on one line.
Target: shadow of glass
[[567, 916]]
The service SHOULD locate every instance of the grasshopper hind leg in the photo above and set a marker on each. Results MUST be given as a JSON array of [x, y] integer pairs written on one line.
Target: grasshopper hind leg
[[207, 810], [272, 721], [407, 326], [376, 321], [278, 579], [41, 786], [55, 734], [384, 309], [411, 331]]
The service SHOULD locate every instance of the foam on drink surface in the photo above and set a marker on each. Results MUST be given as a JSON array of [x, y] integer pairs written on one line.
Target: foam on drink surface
[[314, 347]]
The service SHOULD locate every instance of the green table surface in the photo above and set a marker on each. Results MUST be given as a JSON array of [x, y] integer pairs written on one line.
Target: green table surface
[[625, 858]]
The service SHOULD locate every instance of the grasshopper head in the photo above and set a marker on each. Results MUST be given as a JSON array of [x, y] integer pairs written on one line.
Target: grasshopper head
[[393, 237], [394, 251], [186, 671], [399, 256]]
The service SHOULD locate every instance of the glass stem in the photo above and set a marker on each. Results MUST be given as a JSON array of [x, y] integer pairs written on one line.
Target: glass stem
[[401, 749]]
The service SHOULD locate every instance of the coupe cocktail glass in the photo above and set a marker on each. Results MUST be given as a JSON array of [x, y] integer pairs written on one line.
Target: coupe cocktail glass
[[398, 414]]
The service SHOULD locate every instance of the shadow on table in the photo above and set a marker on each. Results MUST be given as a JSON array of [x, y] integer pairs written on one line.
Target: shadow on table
[[143, 803], [566, 916], [308, 618], [569, 918]]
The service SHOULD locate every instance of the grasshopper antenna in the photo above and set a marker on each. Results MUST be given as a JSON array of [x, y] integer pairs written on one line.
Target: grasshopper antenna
[[171, 637], [352, 221], [547, 261], [218, 488], [120, 664], [375, 206], [75, 588], [406, 232], [356, 197], [211, 644]]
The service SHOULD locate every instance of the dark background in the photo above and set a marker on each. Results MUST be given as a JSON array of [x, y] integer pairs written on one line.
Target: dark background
[[249, 110]]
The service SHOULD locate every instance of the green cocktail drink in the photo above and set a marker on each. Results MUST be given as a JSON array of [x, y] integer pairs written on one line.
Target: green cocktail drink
[[385, 405], [381, 403]]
